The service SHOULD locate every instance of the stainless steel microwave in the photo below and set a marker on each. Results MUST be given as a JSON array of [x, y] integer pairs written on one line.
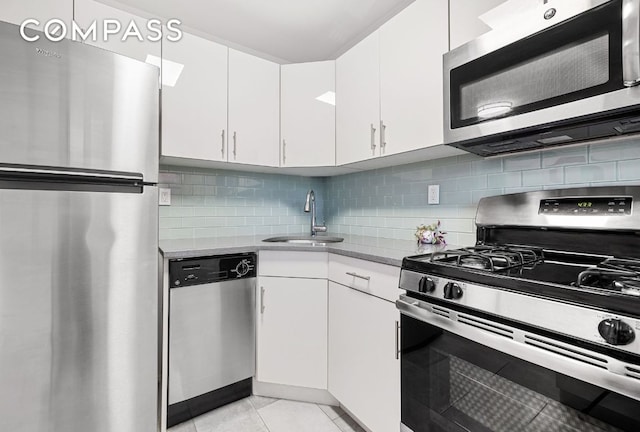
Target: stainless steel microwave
[[567, 72]]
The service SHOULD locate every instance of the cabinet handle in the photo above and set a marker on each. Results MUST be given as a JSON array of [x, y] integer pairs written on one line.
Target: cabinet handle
[[222, 149], [383, 138], [397, 340], [235, 145], [373, 139], [261, 299], [367, 278], [284, 152]]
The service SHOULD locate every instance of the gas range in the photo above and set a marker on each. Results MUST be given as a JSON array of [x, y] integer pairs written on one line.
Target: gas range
[[599, 281], [554, 280], [562, 250]]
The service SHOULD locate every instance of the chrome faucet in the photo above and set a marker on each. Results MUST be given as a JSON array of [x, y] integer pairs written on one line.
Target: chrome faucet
[[310, 206]]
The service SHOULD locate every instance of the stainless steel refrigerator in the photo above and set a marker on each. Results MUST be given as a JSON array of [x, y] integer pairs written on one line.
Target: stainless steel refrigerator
[[79, 132]]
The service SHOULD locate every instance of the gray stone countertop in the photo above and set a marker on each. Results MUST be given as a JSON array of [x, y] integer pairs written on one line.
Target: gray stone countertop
[[384, 251]]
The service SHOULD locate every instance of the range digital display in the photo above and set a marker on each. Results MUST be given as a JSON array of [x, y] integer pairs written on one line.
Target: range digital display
[[614, 206]]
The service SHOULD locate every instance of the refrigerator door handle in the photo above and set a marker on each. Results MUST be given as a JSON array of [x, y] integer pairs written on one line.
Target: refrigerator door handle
[[19, 170], [52, 178]]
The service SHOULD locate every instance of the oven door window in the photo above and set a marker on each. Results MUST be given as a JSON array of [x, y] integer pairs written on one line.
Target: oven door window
[[453, 384], [576, 59]]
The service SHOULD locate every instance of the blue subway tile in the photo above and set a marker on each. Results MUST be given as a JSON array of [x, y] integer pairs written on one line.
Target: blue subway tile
[[510, 179], [629, 170], [550, 176], [614, 151], [523, 162], [590, 173], [564, 157]]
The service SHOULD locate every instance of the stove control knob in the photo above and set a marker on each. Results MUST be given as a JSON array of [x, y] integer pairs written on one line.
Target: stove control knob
[[616, 332], [426, 285], [452, 291]]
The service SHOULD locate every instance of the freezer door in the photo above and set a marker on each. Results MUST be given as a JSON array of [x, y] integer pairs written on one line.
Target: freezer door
[[78, 311], [67, 104]]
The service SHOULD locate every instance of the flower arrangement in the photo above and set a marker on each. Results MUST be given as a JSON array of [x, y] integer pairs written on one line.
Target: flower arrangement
[[430, 234]]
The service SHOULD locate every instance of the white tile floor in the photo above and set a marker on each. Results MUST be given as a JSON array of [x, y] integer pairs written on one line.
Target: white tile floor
[[260, 414]]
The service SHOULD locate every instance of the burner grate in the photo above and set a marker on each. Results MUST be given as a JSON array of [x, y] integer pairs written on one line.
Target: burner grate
[[614, 274], [489, 258]]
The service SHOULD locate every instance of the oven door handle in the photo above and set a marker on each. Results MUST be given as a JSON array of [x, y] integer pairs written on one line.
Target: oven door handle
[[631, 42], [413, 309]]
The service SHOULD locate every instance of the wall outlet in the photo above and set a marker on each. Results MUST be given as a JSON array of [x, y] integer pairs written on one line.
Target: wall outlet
[[434, 194], [165, 197]]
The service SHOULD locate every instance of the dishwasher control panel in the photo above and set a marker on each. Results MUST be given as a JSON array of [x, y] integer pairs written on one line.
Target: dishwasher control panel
[[204, 270]]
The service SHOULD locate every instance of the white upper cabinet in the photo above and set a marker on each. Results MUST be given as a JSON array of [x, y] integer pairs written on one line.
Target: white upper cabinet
[[389, 86], [194, 99], [411, 95], [16, 11], [307, 114], [89, 11], [358, 101], [254, 110], [465, 22]]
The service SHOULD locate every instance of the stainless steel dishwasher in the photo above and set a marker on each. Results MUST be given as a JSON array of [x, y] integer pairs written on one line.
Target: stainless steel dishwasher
[[211, 333]]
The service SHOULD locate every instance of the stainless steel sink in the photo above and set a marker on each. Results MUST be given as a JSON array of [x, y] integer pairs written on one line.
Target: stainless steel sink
[[304, 239]]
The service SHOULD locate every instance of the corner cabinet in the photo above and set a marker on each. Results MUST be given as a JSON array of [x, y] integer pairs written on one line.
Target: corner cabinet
[[194, 99], [292, 319], [254, 110], [389, 86], [307, 114]]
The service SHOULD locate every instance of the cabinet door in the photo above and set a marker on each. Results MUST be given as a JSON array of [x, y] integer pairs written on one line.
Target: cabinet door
[[292, 332], [194, 108], [254, 110], [307, 115], [16, 11], [88, 11], [411, 94], [464, 22], [364, 374], [358, 101]]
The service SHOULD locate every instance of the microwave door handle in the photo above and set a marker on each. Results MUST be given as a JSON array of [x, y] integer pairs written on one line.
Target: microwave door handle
[[631, 42]]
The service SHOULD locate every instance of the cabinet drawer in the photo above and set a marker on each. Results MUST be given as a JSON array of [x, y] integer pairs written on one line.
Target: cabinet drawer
[[380, 280], [310, 265]]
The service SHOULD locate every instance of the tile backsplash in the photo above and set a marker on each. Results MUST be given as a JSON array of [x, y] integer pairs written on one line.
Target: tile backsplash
[[217, 203], [392, 202], [389, 202]]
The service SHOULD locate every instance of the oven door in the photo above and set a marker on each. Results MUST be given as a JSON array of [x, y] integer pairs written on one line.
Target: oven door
[[544, 71], [462, 373]]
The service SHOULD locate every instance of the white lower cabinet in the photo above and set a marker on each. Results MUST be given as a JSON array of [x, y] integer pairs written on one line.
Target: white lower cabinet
[[292, 332], [364, 374]]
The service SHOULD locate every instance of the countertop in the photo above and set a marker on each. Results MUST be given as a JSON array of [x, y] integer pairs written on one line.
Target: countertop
[[384, 251]]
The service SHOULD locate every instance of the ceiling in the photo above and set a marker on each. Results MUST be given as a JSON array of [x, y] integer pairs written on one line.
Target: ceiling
[[288, 31]]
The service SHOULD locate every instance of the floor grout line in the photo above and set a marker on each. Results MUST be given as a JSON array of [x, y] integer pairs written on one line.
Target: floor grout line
[[344, 416], [260, 416]]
